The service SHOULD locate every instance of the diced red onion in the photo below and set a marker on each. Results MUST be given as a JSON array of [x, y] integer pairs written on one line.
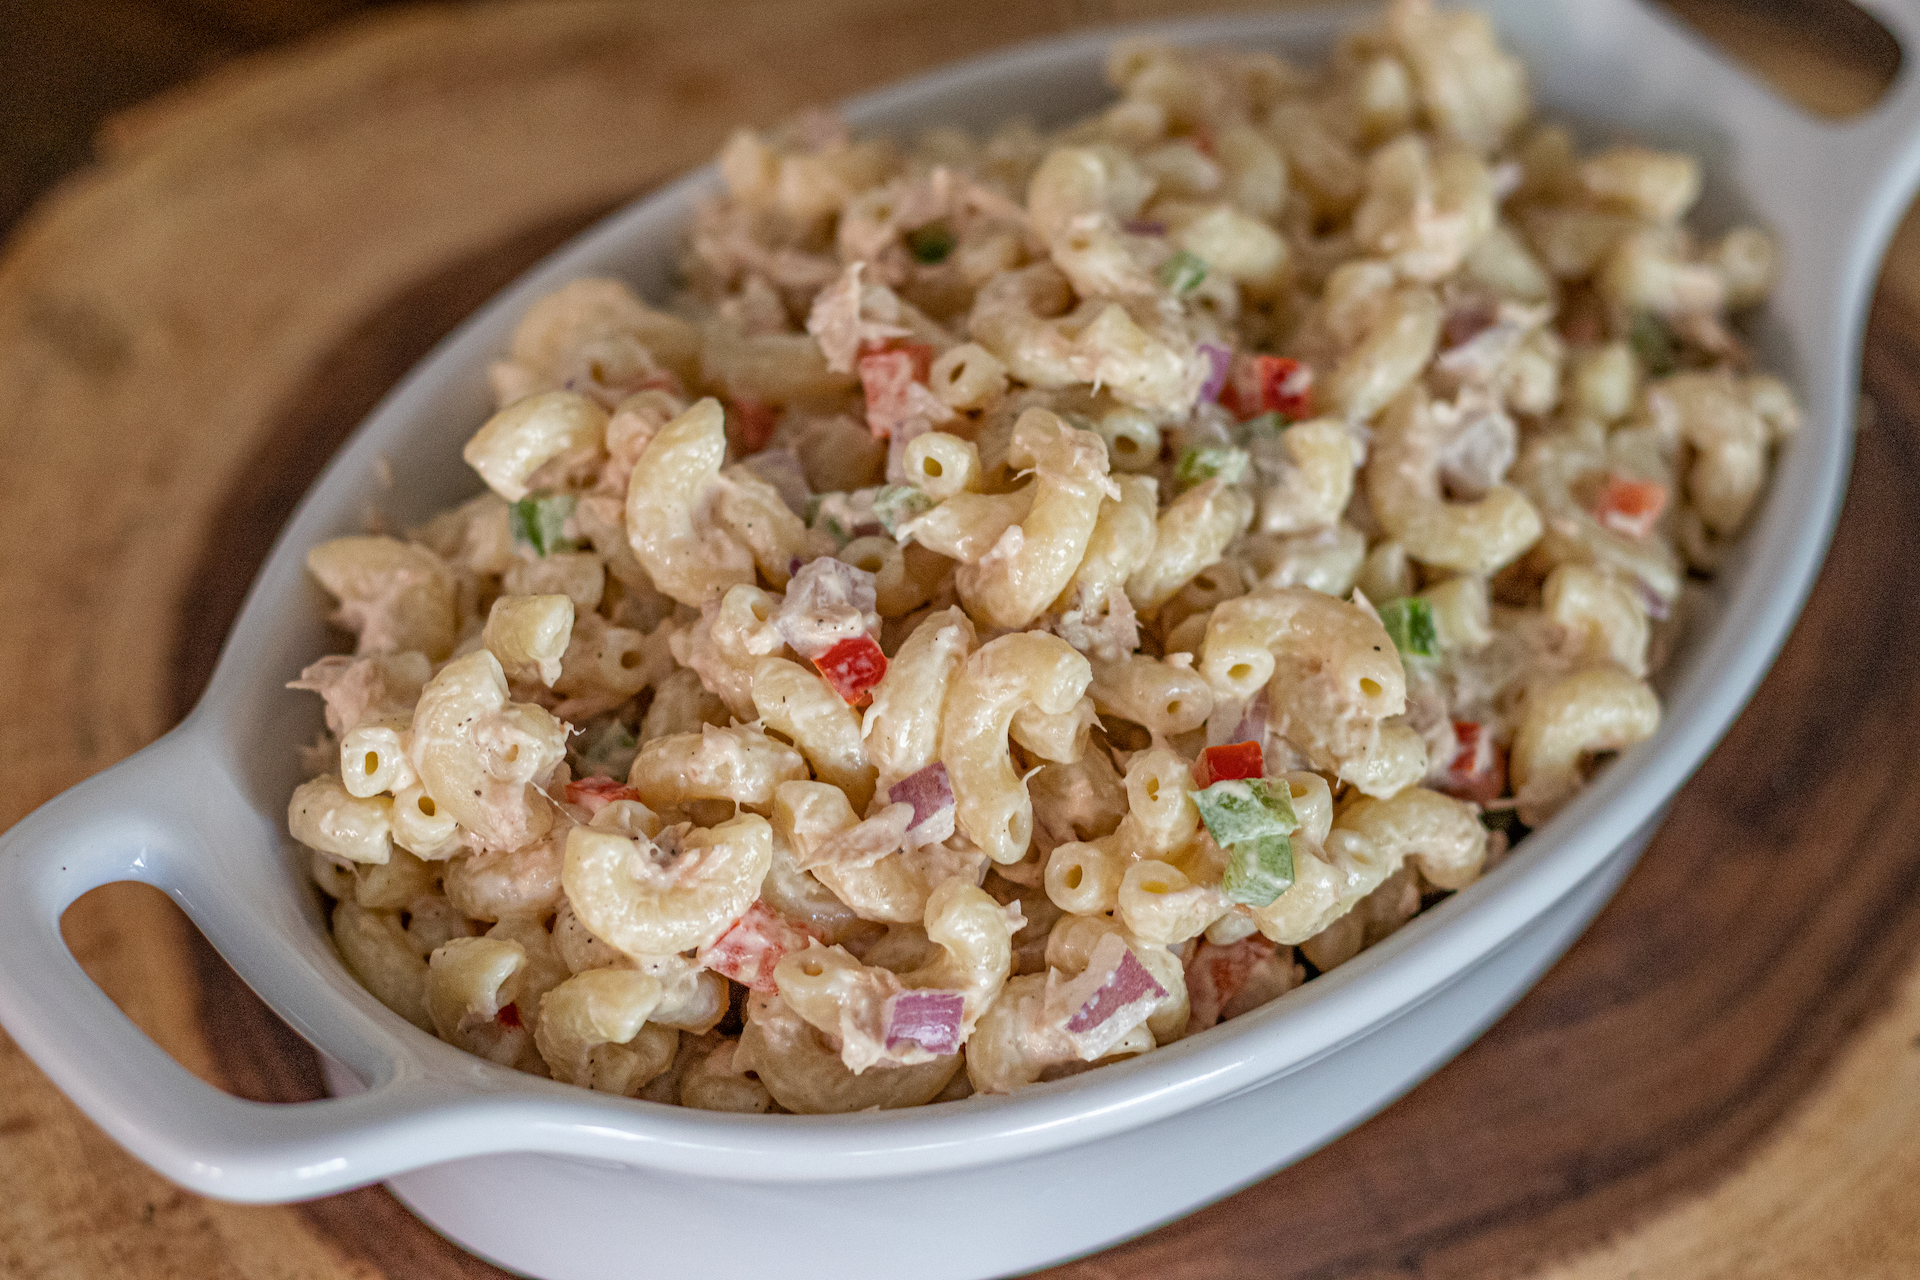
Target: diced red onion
[[781, 469], [1656, 605], [1144, 227], [1247, 723], [1128, 984], [930, 792], [929, 1019], [1221, 360]]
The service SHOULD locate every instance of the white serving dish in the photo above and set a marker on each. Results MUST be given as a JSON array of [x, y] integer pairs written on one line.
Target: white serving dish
[[565, 1184]]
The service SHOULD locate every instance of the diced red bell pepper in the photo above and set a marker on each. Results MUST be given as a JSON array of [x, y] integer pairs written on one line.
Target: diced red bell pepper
[[1630, 506], [853, 667], [595, 794], [1223, 764], [1286, 387], [753, 423], [1270, 384], [1478, 770], [509, 1016], [752, 946]]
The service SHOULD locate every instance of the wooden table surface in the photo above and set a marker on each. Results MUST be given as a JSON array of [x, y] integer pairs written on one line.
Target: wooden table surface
[[1722, 1078]]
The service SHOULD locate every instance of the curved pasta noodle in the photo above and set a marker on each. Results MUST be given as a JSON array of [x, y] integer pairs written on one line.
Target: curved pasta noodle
[[325, 816], [1599, 709], [469, 981], [1438, 834], [593, 1031], [753, 515], [1728, 440], [1403, 486], [715, 1081], [620, 890], [1316, 478], [1062, 738], [675, 539], [798, 704], [494, 884], [1032, 561], [805, 1075], [1364, 845], [1604, 618], [902, 726], [1391, 354], [1159, 904], [1190, 536], [529, 635], [1026, 668], [378, 953], [530, 433], [740, 764], [968, 525], [1164, 698], [481, 757], [1122, 537]]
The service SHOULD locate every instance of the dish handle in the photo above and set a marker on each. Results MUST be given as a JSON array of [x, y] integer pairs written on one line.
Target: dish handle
[[1872, 161], [134, 822], [1855, 176]]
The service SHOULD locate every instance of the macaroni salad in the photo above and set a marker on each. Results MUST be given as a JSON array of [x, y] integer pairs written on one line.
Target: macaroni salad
[[1028, 600]]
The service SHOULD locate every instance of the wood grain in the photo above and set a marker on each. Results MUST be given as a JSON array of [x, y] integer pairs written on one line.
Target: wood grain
[[1721, 1079]]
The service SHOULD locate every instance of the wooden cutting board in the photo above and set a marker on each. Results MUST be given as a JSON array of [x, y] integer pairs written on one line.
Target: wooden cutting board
[[1721, 1079]]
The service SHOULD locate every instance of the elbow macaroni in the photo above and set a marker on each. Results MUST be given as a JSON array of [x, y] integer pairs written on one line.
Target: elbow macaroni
[[1029, 668], [669, 519]]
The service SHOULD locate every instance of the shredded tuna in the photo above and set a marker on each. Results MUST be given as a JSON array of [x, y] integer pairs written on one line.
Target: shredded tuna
[[898, 403], [357, 690], [1477, 443], [827, 601], [864, 843], [1223, 982], [724, 242], [1107, 632], [847, 316], [1483, 348]]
